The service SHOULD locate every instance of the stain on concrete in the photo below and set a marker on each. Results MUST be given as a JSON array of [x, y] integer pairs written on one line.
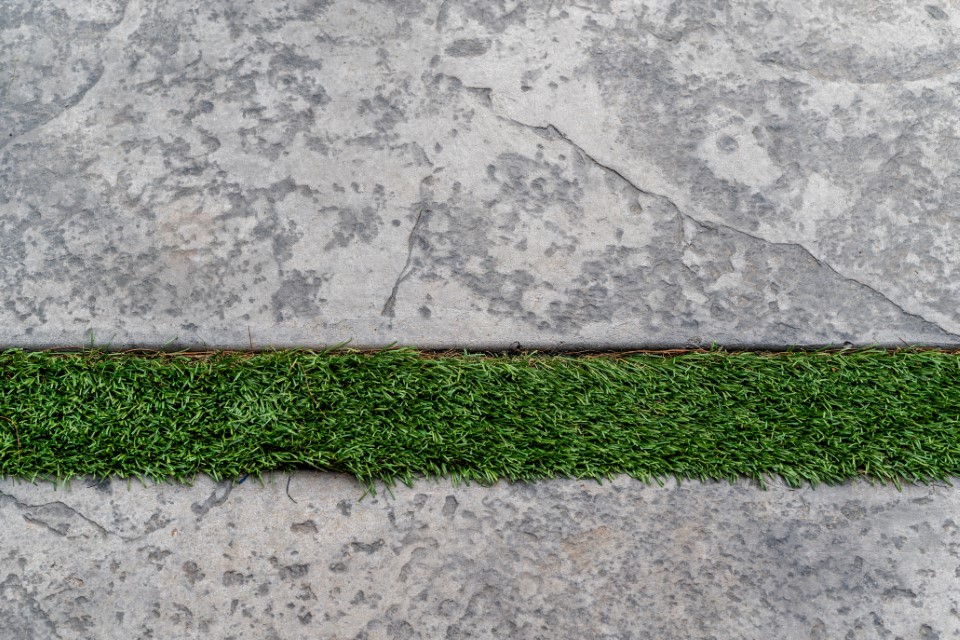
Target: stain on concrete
[[583, 560], [550, 173]]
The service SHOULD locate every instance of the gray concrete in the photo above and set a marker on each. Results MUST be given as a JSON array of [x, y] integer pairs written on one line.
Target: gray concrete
[[479, 172], [551, 560]]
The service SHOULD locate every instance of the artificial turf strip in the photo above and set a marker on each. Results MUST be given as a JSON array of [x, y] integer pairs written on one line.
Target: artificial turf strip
[[395, 415]]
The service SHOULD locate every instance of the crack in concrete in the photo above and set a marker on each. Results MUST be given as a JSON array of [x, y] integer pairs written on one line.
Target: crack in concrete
[[391, 301], [388, 306], [821, 263], [818, 74], [30, 517], [68, 104], [92, 81], [221, 492], [551, 130]]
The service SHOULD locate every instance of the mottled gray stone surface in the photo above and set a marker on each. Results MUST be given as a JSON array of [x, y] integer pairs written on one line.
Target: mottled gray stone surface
[[479, 172], [564, 559]]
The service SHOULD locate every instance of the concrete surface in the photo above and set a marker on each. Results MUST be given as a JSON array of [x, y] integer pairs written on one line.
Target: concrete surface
[[478, 173], [549, 173], [564, 559]]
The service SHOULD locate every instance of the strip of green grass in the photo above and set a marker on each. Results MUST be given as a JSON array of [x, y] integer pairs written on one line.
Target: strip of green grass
[[816, 417]]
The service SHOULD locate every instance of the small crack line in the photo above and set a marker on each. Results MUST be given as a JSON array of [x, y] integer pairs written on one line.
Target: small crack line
[[820, 262], [553, 130], [388, 306], [77, 98], [32, 518], [46, 526], [69, 104]]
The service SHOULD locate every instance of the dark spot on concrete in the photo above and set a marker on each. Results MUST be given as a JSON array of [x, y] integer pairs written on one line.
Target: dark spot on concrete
[[217, 498], [155, 523], [727, 144], [102, 485], [311, 8], [232, 578], [354, 226], [368, 548], [157, 556], [936, 12], [927, 633], [192, 572], [467, 48], [306, 593], [898, 592], [308, 526], [853, 511], [297, 296], [450, 506], [400, 629], [293, 571], [344, 507], [424, 312]]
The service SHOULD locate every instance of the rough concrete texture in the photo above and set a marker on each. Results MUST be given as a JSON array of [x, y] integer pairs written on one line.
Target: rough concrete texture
[[551, 173], [565, 559], [478, 173]]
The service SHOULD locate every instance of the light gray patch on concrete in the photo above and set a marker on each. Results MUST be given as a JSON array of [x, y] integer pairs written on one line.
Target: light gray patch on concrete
[[567, 558], [454, 173]]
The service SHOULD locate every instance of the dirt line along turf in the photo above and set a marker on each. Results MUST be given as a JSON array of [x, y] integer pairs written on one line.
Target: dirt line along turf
[[399, 414]]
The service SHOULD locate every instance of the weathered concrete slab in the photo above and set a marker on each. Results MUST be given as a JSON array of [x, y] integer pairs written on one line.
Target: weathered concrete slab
[[479, 172], [562, 559]]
